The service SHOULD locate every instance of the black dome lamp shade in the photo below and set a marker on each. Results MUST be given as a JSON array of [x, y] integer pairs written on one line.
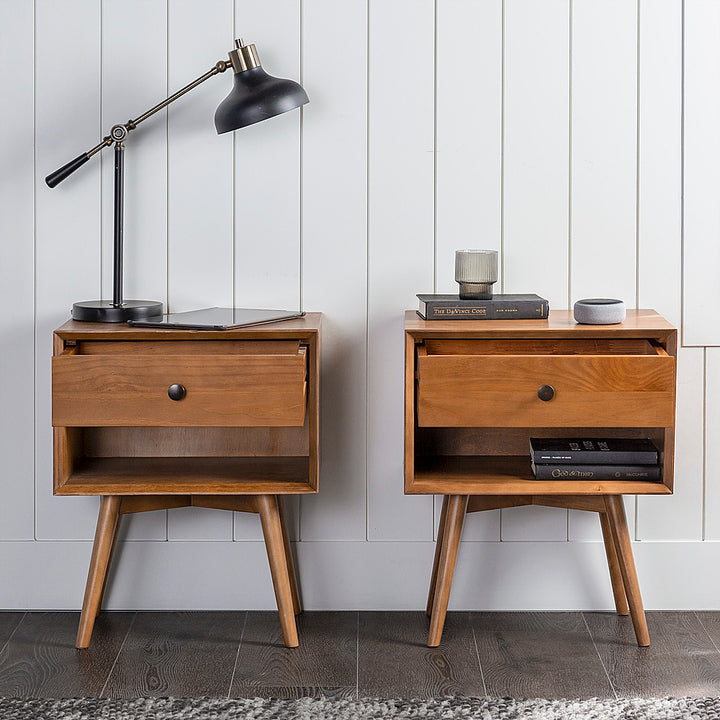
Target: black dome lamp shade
[[255, 96]]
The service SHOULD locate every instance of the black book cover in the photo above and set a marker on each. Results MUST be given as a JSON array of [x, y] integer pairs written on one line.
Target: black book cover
[[596, 472], [597, 451], [499, 307]]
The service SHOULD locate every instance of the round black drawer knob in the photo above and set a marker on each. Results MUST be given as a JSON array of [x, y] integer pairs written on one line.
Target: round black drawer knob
[[176, 392], [546, 392]]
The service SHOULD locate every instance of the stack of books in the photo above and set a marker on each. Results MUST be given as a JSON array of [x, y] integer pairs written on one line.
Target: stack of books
[[499, 307], [595, 459]]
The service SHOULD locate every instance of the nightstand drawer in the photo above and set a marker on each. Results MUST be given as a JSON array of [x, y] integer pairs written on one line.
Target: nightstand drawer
[[222, 384], [477, 383]]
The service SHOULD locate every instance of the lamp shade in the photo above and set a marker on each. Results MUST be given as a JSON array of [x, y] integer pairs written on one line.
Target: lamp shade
[[257, 96]]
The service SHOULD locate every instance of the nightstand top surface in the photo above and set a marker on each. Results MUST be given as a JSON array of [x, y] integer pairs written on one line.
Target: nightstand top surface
[[307, 325], [559, 323]]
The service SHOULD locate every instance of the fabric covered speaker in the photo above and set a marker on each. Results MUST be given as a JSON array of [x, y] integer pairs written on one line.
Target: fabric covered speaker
[[599, 311]]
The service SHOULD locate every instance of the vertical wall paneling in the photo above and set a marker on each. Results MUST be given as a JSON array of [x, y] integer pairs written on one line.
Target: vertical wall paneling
[[701, 249], [267, 185], [469, 132], [603, 165], [16, 273], [680, 517], [711, 520], [67, 112], [535, 184], [468, 155], [577, 136], [660, 157], [134, 79], [660, 258], [604, 133], [536, 149], [267, 168], [400, 242], [200, 192], [334, 182]]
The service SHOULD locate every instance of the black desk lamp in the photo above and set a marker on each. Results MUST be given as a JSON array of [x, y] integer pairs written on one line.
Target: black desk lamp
[[255, 96]]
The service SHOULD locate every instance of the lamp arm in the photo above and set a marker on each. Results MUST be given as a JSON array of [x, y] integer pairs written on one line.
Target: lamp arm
[[119, 132]]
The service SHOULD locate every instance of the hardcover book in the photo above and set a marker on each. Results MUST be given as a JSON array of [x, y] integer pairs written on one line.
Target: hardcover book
[[551, 471], [499, 307], [596, 451]]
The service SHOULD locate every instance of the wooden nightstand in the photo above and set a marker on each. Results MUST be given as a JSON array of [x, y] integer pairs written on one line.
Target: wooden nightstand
[[476, 391], [152, 419]]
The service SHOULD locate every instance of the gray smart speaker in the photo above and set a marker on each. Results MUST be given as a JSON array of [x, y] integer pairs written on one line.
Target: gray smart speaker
[[599, 311]]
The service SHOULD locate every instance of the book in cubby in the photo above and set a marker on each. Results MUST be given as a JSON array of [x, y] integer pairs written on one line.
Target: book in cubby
[[595, 459]]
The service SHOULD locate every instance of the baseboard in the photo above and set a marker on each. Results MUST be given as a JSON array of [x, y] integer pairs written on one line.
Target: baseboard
[[357, 575]]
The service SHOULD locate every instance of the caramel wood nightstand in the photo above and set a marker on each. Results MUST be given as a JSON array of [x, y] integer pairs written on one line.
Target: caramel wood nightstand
[[476, 391], [151, 419]]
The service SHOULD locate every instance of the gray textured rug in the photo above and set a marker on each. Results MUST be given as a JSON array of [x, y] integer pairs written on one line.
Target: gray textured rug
[[326, 709]]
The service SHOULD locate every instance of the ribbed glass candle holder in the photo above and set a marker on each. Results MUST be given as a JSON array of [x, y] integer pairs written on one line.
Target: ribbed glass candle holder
[[476, 271]]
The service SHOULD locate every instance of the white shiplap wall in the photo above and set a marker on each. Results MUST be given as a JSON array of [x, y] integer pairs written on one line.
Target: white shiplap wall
[[557, 132]]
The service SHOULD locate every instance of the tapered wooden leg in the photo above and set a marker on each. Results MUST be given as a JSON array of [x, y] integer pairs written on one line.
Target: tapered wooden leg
[[272, 530], [113, 542], [436, 561], [456, 509], [297, 607], [616, 580], [108, 518], [621, 536]]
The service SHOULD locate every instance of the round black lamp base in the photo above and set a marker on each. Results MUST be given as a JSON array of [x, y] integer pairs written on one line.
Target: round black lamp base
[[105, 311]]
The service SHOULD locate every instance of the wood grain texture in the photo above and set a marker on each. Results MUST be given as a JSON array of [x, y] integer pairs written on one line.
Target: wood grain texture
[[158, 476], [464, 390], [41, 659], [280, 570], [324, 662], [132, 389], [682, 660], [177, 654], [559, 324], [394, 661], [547, 655], [616, 580], [195, 442], [509, 475], [9, 621], [449, 543], [522, 654], [710, 622], [621, 539], [105, 536]]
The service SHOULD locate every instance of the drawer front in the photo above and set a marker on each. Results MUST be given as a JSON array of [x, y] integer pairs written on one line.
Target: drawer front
[[587, 390], [220, 390]]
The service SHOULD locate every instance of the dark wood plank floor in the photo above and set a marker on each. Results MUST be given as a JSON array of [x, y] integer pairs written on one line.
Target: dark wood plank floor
[[366, 654]]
